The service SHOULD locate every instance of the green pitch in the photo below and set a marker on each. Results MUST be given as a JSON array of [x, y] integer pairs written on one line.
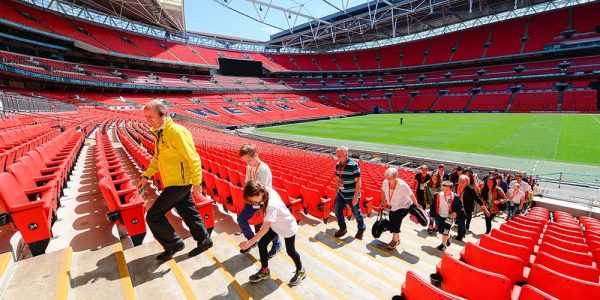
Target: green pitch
[[573, 138]]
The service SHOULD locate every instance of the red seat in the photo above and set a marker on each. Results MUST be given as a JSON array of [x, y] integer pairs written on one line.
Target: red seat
[[294, 205], [316, 206], [461, 279], [529, 292], [513, 238], [568, 255], [415, 288], [583, 272], [564, 237], [293, 189], [129, 213], [209, 182], [206, 211], [31, 217], [507, 265], [223, 195], [577, 247], [561, 286], [518, 231], [496, 245]]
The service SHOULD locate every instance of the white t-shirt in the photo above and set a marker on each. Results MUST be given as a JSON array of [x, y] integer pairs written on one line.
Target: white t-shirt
[[262, 174], [400, 196], [282, 221], [443, 209], [525, 187], [515, 198]]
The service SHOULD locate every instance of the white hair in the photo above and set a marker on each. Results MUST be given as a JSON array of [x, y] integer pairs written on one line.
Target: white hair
[[391, 172], [464, 177], [342, 148]]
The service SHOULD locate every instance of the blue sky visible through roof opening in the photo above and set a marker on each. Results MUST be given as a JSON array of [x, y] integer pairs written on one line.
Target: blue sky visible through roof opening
[[211, 17]]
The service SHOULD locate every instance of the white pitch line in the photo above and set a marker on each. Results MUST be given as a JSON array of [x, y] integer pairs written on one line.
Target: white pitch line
[[594, 117]]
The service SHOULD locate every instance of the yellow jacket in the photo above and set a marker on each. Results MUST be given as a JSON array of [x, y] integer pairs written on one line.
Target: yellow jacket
[[175, 156]]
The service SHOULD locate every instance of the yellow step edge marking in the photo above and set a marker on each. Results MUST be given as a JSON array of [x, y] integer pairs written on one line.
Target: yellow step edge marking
[[279, 282], [427, 259], [5, 259], [64, 274], [352, 261], [125, 278], [345, 274], [182, 280], [319, 281], [230, 279], [381, 251]]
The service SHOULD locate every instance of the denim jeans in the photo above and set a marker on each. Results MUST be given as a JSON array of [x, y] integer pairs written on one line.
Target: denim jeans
[[513, 210], [243, 219], [340, 204]]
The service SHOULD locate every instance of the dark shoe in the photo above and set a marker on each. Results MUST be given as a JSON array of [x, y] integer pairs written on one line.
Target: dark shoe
[[274, 252], [205, 245], [300, 275], [459, 238], [340, 233], [168, 254], [247, 249], [260, 275], [448, 242], [359, 234], [441, 247]]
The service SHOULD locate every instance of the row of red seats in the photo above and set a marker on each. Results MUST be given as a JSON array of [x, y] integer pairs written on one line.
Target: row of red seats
[[31, 187], [557, 266], [124, 205], [142, 158]]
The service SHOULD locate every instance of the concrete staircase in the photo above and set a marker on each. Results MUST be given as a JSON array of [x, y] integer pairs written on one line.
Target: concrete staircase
[[341, 268]]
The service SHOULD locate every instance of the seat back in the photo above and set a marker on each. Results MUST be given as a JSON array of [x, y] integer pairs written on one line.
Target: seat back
[[572, 256], [460, 279], [23, 175], [503, 247], [519, 231], [415, 288], [507, 265], [513, 238], [529, 292], [562, 286], [577, 247], [293, 189], [583, 272]]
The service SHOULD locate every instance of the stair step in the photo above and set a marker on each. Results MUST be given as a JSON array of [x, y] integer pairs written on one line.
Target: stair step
[[282, 270], [151, 278], [204, 275], [41, 277], [241, 267], [101, 274], [7, 266]]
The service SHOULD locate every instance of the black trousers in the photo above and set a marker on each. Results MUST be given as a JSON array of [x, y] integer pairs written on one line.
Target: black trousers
[[180, 198], [468, 217], [397, 216], [290, 248], [488, 222], [461, 223]]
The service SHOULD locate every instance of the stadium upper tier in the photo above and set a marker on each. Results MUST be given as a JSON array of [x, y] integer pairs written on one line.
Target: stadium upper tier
[[523, 35], [89, 75]]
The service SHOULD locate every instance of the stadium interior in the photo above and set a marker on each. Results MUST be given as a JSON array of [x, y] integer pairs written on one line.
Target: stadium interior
[[74, 79]]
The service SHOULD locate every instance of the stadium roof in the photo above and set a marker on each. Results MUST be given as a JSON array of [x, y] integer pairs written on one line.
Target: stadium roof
[[379, 19], [167, 14]]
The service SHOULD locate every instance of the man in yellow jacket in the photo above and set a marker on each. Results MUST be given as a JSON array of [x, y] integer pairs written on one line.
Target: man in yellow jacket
[[176, 159]]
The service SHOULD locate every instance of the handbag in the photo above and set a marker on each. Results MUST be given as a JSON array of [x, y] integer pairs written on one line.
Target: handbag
[[381, 225]]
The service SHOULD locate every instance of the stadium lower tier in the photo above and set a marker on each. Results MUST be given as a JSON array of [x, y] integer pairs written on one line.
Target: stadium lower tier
[[258, 109], [539, 254]]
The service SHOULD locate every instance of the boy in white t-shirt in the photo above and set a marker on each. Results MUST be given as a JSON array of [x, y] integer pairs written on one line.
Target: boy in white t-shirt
[[277, 221], [259, 171], [515, 199]]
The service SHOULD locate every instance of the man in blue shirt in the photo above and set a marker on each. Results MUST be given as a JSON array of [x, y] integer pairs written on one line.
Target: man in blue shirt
[[347, 172]]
